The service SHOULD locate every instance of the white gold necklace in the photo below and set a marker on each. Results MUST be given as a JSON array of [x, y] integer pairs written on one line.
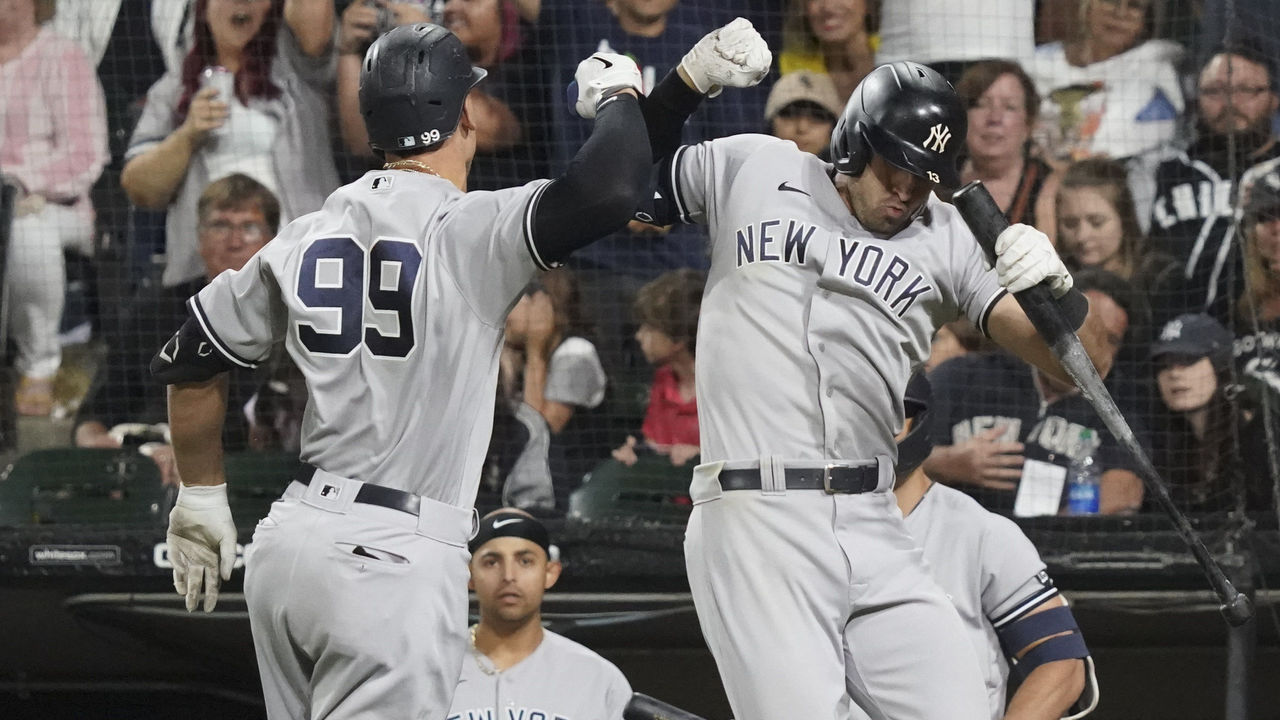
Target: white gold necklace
[[411, 165], [483, 662]]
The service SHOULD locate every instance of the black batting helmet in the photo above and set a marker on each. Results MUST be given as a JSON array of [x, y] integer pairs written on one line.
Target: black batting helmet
[[907, 114], [412, 86], [918, 443]]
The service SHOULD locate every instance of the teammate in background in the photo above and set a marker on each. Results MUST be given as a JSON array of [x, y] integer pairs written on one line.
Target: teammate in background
[[1016, 619], [667, 310], [809, 591], [391, 302], [516, 668]]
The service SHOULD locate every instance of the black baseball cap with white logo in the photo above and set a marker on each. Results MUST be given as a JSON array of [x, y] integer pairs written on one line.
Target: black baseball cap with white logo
[[1194, 336]]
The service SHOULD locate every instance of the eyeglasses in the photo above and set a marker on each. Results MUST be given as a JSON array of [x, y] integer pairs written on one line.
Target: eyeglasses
[[221, 229], [1239, 92]]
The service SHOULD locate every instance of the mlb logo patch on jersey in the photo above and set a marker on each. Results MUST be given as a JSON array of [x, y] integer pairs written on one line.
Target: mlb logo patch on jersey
[[329, 491], [381, 182]]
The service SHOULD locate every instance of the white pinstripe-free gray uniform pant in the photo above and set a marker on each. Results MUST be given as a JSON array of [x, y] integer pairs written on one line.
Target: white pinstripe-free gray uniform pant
[[339, 635]]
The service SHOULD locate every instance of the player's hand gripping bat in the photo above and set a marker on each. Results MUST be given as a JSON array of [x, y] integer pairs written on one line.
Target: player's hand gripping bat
[[984, 218]]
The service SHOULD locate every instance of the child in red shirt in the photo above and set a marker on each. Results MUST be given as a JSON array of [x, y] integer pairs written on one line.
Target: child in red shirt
[[667, 310]]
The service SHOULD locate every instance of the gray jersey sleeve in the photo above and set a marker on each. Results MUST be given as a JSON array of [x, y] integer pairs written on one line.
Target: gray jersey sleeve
[[574, 374], [241, 311], [976, 286], [702, 174], [1014, 579], [486, 245]]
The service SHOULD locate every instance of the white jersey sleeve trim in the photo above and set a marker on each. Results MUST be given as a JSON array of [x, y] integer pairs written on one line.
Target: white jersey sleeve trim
[[528, 230], [1027, 604], [199, 314], [682, 210], [986, 312]]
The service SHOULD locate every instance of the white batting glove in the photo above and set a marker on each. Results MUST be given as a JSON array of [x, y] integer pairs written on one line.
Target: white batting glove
[[733, 56], [600, 77], [202, 543], [1025, 258]]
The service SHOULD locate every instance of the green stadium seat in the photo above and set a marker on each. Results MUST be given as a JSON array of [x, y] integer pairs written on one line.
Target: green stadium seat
[[82, 485], [652, 489]]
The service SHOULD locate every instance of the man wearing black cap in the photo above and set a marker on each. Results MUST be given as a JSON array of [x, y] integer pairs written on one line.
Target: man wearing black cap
[[517, 668], [995, 578]]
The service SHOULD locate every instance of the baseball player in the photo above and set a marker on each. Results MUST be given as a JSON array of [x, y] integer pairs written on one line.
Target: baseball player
[[391, 301], [826, 285], [517, 669], [994, 576]]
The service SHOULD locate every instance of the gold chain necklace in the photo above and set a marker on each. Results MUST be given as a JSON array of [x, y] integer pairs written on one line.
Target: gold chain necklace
[[486, 666], [411, 165]]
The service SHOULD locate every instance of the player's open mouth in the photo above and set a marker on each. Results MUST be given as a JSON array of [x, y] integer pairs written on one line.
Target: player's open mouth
[[241, 19]]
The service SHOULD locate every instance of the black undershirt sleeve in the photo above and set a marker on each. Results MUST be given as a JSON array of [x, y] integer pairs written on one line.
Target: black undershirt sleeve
[[665, 111], [602, 187]]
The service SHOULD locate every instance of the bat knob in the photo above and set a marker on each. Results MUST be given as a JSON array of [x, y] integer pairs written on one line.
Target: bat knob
[[1238, 610]]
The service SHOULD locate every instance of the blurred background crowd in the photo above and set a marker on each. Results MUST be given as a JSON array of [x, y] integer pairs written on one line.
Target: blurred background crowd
[[149, 145]]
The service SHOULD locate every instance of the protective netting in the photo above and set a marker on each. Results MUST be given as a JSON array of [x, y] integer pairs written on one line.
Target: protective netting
[[1139, 134]]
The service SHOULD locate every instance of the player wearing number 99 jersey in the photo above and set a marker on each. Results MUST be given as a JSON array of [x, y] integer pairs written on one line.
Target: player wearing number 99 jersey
[[391, 300]]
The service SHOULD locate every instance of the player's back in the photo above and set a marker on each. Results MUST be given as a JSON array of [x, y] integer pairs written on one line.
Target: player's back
[[989, 569], [391, 300]]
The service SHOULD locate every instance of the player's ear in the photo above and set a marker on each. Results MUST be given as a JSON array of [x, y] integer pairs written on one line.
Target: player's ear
[[464, 124], [553, 574]]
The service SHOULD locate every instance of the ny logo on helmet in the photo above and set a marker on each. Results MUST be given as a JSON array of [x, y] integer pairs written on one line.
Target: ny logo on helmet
[[939, 135]]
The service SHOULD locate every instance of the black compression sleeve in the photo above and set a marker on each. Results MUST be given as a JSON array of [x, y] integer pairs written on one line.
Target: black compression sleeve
[[665, 111], [604, 184]]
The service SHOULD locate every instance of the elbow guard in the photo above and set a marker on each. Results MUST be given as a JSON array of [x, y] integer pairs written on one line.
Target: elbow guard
[[1029, 629], [189, 356], [1067, 645]]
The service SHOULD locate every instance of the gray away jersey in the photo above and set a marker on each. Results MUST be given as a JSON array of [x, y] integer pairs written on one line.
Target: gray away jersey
[[810, 324], [392, 301], [560, 680], [988, 568]]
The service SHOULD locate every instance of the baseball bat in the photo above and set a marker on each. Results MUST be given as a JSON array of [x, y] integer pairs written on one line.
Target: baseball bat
[[985, 219], [643, 707]]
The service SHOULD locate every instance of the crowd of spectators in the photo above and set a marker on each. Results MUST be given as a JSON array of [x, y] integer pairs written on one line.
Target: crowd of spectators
[[1139, 135]]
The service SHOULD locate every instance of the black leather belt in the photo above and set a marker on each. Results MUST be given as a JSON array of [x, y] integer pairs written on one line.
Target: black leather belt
[[372, 494], [832, 479]]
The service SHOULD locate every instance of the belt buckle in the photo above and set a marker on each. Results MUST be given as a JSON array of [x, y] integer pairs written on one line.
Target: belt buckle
[[826, 477]]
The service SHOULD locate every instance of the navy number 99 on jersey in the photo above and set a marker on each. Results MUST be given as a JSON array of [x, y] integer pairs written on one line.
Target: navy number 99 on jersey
[[337, 275]]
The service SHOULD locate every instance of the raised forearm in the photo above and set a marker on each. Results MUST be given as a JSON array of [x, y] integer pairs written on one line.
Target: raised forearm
[[197, 411], [151, 179], [354, 135], [311, 22]]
